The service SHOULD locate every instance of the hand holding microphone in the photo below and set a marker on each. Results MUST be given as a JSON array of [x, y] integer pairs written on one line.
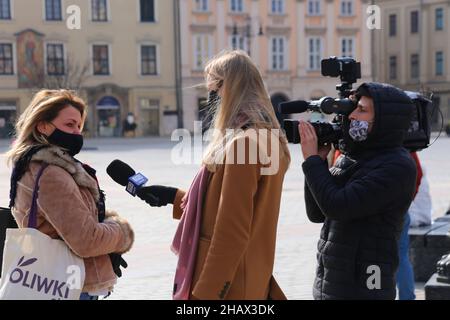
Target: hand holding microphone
[[155, 196]]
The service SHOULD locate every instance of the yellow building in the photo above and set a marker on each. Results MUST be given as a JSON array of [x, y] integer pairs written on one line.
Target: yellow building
[[286, 38], [122, 52], [412, 50], [147, 56]]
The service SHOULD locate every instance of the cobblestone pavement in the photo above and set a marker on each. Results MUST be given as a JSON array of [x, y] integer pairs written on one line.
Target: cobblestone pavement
[[152, 264]]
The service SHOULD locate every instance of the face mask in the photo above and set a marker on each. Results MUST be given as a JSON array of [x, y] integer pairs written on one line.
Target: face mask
[[359, 130], [72, 142], [130, 119], [213, 97]]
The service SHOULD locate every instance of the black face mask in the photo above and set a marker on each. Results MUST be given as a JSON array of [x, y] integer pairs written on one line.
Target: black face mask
[[213, 97], [72, 142]]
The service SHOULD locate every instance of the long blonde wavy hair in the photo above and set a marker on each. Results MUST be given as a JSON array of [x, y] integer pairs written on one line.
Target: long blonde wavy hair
[[44, 107], [244, 103]]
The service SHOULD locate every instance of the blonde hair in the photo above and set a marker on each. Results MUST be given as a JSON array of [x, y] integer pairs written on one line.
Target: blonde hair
[[45, 106], [244, 102]]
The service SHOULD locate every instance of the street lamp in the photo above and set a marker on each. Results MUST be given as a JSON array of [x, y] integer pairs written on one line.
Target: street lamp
[[235, 30], [247, 34]]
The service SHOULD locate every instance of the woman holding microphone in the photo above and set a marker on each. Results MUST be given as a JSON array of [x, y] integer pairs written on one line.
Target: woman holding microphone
[[227, 234]]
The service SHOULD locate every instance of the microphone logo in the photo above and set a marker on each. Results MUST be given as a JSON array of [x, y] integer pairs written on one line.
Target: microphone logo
[[135, 182]]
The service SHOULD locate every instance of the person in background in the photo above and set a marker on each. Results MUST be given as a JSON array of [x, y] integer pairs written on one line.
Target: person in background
[[129, 126], [419, 214]]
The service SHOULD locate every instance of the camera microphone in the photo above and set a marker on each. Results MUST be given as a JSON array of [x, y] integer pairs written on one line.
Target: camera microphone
[[124, 175], [291, 107]]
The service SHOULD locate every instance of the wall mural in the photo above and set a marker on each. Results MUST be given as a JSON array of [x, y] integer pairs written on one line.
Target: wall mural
[[30, 58]]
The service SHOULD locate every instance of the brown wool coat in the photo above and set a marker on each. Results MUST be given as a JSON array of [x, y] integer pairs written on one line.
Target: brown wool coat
[[236, 250], [67, 210]]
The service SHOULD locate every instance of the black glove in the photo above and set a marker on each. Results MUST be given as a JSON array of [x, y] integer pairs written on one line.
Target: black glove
[[117, 261], [157, 196]]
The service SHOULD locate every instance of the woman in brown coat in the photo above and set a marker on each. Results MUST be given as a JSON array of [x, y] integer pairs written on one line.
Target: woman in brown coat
[[70, 202], [227, 250]]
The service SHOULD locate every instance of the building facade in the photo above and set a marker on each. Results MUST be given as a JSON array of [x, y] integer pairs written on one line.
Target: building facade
[[412, 49], [286, 38], [147, 56], [119, 54]]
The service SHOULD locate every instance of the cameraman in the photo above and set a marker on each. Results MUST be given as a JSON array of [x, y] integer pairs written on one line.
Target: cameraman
[[362, 200]]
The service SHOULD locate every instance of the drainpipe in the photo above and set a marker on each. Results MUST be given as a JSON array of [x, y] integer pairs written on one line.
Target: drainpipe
[[372, 49], [177, 39], [421, 61]]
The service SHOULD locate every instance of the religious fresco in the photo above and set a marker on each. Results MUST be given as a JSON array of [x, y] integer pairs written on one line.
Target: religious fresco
[[30, 58]]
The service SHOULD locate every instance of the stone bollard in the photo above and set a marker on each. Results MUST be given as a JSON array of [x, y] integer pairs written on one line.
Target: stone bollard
[[443, 269], [427, 246]]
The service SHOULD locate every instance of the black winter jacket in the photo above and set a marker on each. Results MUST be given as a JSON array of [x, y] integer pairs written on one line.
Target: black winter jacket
[[361, 202]]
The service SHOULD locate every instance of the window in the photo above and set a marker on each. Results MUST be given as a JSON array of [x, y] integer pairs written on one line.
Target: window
[[238, 42], [415, 66], [100, 56], [347, 47], [201, 5], [414, 21], [392, 67], [439, 63], [278, 6], [439, 19], [99, 10], [202, 50], [347, 8], [5, 10], [147, 103], [6, 59], [55, 59], [278, 53], [148, 60], [315, 53], [313, 7], [392, 25], [237, 5], [147, 10], [53, 10]]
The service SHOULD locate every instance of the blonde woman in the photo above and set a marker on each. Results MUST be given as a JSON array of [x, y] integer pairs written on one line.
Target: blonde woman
[[70, 202], [226, 238]]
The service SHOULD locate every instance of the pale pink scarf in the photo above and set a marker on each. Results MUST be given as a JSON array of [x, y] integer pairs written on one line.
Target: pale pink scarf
[[187, 235]]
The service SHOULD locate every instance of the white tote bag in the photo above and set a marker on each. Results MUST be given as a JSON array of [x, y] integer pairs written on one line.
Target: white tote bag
[[37, 267], [421, 209]]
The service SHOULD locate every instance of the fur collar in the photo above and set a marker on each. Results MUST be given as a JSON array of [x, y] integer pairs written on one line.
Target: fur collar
[[56, 156]]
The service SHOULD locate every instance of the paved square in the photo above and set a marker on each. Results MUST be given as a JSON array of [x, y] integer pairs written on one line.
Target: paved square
[[152, 264]]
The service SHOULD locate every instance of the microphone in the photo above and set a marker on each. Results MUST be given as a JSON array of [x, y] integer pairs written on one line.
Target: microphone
[[124, 175], [291, 107]]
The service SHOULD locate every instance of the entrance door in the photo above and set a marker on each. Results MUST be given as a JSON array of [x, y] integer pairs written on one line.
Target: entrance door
[[150, 120], [108, 109], [204, 114], [7, 119], [276, 99], [149, 117]]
